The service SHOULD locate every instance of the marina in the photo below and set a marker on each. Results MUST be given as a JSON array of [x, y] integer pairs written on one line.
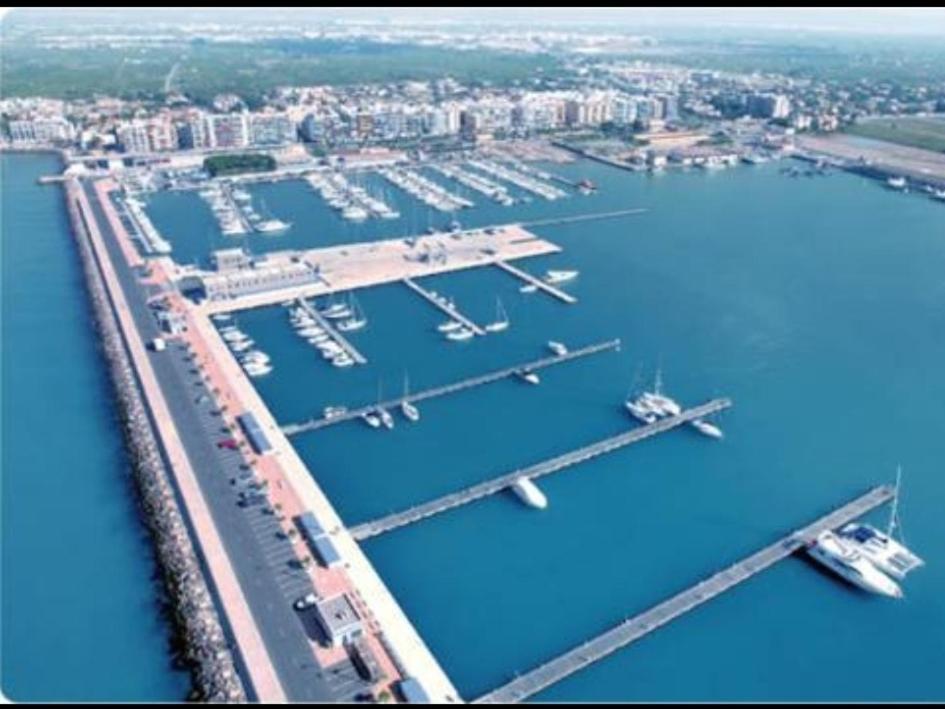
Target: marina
[[637, 627], [349, 414], [537, 283], [333, 333], [547, 467], [444, 304]]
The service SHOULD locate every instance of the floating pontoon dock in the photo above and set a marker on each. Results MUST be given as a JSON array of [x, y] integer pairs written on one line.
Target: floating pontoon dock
[[316, 423], [490, 487], [634, 628]]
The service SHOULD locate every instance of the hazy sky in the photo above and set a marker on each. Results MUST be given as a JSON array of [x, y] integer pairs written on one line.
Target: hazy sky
[[896, 20]]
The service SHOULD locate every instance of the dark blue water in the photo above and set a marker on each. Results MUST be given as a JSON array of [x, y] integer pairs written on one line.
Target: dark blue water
[[817, 304], [80, 620]]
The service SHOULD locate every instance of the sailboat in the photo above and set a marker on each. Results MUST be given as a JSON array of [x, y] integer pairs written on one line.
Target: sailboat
[[409, 411], [883, 550], [501, 321], [383, 413], [357, 320]]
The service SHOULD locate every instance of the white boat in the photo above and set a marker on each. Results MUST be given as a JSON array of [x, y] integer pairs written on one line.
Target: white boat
[[463, 333], [256, 356], [558, 348], [318, 339], [410, 412], [706, 428], [342, 360], [528, 288], [560, 276], [235, 336], [641, 411], [939, 194], [529, 376], [501, 322], [885, 552], [386, 418], [897, 183], [341, 312], [357, 320], [241, 346], [272, 226], [371, 419], [659, 402], [257, 369], [529, 493], [842, 557], [449, 326], [332, 412], [310, 331], [221, 317]]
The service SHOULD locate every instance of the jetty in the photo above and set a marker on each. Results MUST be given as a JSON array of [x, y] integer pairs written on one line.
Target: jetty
[[584, 217], [632, 629], [537, 282], [316, 423], [553, 465], [327, 326], [446, 307]]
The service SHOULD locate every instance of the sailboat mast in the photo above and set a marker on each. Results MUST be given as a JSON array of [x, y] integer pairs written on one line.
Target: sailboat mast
[[894, 512]]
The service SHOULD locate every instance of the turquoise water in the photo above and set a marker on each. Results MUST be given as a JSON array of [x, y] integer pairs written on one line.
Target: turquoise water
[[80, 620], [817, 304]]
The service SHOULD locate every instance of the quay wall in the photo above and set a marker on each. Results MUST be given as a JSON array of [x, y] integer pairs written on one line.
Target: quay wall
[[197, 623]]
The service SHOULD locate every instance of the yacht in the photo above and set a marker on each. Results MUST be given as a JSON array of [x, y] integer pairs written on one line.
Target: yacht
[[659, 402], [221, 317], [255, 356], [386, 418], [501, 321], [529, 493], [464, 333], [331, 412], [706, 428], [842, 557], [560, 276], [272, 226], [528, 288], [257, 369], [336, 310], [526, 375], [371, 419], [896, 183], [357, 320], [881, 548], [558, 348], [449, 326], [241, 345], [939, 195]]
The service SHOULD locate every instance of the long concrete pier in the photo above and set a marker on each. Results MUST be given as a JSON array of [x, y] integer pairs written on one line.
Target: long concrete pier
[[640, 625], [317, 423], [584, 217], [534, 280], [553, 465], [450, 310], [326, 325]]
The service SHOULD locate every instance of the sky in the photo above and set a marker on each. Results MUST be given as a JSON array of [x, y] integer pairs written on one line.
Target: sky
[[888, 20]]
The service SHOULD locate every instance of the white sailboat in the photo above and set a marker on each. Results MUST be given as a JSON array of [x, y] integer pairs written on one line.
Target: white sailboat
[[410, 412], [357, 320], [501, 321]]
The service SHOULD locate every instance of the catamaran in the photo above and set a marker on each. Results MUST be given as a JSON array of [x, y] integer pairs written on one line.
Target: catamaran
[[842, 557], [884, 552], [502, 319]]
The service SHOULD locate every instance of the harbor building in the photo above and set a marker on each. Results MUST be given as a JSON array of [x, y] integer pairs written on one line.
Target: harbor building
[[272, 129], [338, 620], [41, 131], [243, 275], [153, 135]]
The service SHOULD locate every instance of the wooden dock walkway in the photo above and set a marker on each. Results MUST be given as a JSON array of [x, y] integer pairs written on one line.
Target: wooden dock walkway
[[534, 280], [326, 325], [317, 423], [450, 310], [490, 487], [634, 628]]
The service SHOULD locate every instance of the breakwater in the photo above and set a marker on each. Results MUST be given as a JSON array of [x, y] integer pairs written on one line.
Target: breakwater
[[205, 646]]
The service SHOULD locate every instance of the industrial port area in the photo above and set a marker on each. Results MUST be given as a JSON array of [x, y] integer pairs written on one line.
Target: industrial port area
[[309, 616]]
